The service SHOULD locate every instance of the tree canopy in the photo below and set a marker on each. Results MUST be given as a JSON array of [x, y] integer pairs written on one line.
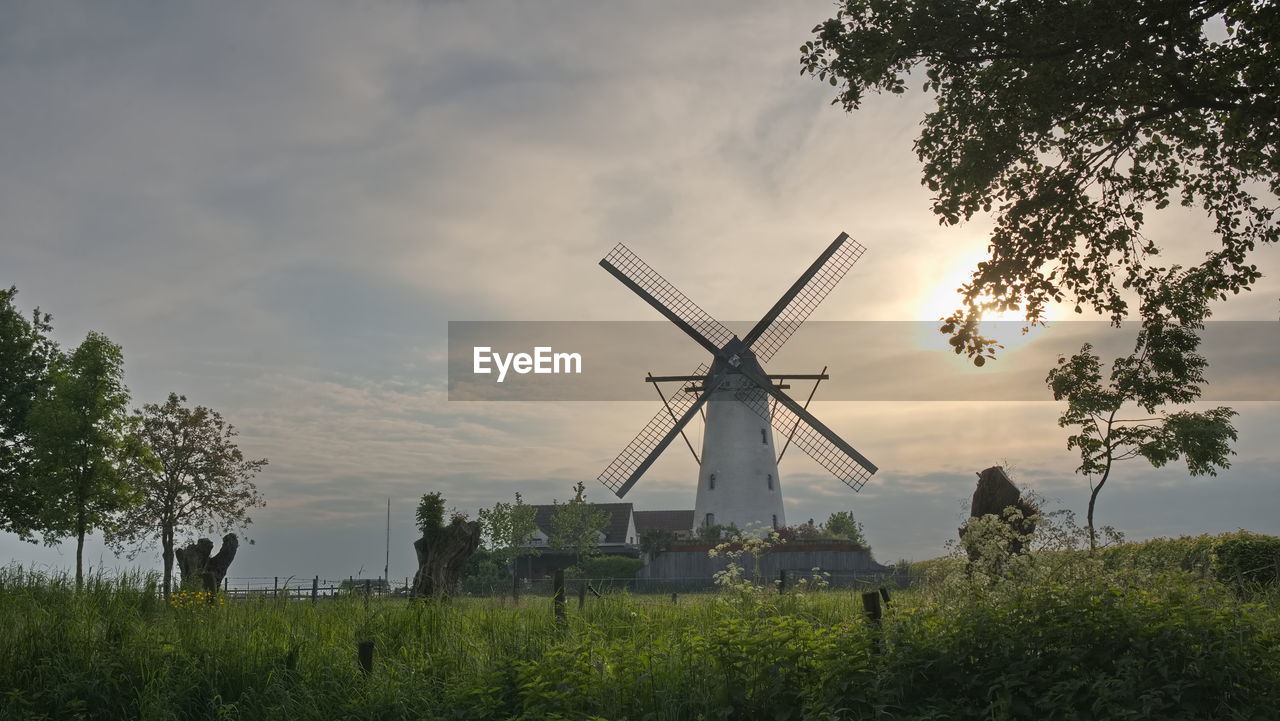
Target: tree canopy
[[509, 527], [1069, 122], [86, 453], [1163, 370], [25, 354], [576, 526], [202, 480]]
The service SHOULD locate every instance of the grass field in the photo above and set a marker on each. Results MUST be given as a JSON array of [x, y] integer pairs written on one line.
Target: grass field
[[1076, 642]]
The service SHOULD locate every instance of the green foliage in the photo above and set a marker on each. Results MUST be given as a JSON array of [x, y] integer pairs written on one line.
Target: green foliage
[[86, 451], [1163, 555], [1163, 369], [656, 541], [1173, 648], [430, 515], [1246, 558], [25, 354], [508, 528], [484, 573], [609, 567], [201, 481], [1070, 123], [577, 526], [715, 532], [841, 524]]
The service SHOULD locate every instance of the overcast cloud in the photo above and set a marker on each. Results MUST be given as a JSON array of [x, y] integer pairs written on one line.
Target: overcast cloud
[[276, 208]]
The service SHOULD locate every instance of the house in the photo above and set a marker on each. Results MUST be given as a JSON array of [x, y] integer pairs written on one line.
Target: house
[[621, 536]]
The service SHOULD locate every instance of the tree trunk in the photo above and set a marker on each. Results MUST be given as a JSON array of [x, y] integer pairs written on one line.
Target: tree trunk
[[80, 523], [1093, 497], [166, 552], [80, 556], [442, 558], [202, 572]]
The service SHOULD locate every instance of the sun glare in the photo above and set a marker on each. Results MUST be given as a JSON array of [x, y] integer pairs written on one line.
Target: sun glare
[[942, 297]]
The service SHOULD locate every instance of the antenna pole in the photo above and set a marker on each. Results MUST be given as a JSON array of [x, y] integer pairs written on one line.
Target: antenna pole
[[806, 407]]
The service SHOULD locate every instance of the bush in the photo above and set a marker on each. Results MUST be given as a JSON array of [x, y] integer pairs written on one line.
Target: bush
[[609, 567], [1245, 557], [1162, 555]]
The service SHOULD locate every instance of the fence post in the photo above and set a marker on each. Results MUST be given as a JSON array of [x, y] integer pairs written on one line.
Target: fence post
[[782, 580], [884, 593], [871, 607], [364, 653], [673, 599], [557, 597], [582, 595], [226, 584], [515, 584], [315, 590], [275, 588]]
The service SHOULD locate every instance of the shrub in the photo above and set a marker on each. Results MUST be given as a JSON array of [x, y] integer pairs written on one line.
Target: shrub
[[609, 567], [1245, 557], [1162, 555]]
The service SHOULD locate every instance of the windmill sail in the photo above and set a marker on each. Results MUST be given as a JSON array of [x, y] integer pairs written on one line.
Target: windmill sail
[[666, 298], [620, 475], [803, 297], [853, 469]]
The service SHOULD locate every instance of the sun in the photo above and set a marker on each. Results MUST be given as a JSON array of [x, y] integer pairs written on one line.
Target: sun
[[940, 298]]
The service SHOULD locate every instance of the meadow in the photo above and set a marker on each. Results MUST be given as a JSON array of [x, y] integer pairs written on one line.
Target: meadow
[[1067, 637]]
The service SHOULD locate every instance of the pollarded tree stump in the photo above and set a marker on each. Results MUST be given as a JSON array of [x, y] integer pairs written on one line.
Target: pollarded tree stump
[[442, 558], [200, 570], [996, 493]]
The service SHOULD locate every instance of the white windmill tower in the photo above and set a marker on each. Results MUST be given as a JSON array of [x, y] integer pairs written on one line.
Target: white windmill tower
[[738, 479]]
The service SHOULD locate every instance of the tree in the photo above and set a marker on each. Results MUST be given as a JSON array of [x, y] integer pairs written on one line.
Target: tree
[[202, 481], [843, 525], [86, 451], [656, 541], [1070, 122], [576, 526], [509, 528], [25, 355], [1163, 369], [444, 550]]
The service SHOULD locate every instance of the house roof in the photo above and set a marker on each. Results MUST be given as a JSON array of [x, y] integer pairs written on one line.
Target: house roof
[[614, 532], [674, 521]]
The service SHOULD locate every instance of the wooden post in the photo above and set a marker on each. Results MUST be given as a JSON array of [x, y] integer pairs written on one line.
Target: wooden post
[[364, 654], [315, 590], [515, 582], [871, 606], [884, 594], [582, 595], [673, 599], [557, 597], [782, 580]]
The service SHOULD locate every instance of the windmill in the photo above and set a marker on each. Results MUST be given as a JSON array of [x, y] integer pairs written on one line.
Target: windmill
[[738, 470]]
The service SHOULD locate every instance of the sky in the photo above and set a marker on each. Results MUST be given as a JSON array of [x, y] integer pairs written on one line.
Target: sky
[[276, 209]]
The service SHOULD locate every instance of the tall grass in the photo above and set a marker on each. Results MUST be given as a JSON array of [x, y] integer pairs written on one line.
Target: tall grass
[[1179, 647]]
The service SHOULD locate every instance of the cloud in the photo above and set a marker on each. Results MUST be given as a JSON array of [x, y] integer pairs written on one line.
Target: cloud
[[275, 208]]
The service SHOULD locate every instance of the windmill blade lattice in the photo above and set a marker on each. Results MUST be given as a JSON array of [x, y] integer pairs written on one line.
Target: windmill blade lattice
[[794, 314], [806, 438], [617, 473], [639, 272]]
